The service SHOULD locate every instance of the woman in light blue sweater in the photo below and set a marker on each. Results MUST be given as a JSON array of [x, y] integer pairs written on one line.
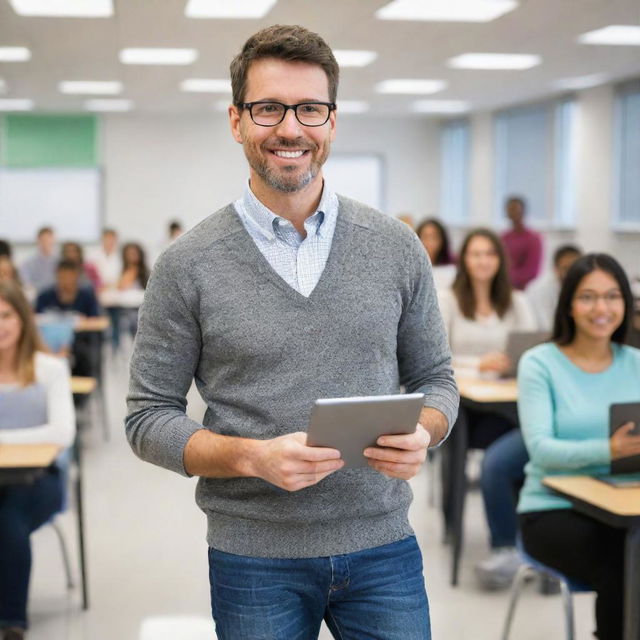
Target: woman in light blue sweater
[[565, 389]]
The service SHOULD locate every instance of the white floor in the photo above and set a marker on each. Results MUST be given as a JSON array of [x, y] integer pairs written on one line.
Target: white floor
[[147, 558]]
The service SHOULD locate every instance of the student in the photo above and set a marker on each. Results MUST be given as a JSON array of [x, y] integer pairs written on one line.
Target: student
[[565, 389], [523, 246], [435, 240], [479, 311], [8, 271], [35, 407], [290, 294], [131, 285], [5, 248], [73, 252], [543, 292], [39, 271]]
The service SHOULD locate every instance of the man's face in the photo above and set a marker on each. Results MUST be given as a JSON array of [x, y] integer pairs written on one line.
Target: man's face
[[46, 241], [515, 211], [563, 265], [306, 148], [109, 241], [67, 280]]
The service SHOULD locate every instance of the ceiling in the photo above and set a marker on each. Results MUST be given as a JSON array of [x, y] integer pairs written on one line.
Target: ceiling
[[87, 49]]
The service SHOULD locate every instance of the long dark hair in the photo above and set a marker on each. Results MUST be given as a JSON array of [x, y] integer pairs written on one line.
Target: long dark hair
[[500, 292], [564, 326], [143, 270], [444, 253]]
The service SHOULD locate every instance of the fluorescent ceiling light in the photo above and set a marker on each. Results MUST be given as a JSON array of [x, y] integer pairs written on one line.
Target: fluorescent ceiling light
[[495, 61], [408, 86], [446, 10], [84, 87], [620, 34], [158, 56], [439, 106], [206, 85], [581, 82], [108, 105], [16, 104], [228, 8], [353, 106], [354, 58], [63, 8], [14, 54]]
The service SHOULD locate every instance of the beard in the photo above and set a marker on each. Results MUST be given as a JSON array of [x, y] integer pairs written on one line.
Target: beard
[[288, 178]]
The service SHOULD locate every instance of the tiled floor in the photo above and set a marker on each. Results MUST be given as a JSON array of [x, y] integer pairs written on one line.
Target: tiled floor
[[147, 557]]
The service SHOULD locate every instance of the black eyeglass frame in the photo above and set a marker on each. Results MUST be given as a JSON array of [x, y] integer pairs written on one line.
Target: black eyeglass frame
[[294, 107]]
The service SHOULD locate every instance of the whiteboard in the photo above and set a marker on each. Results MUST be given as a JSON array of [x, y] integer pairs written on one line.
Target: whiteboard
[[66, 199], [357, 176]]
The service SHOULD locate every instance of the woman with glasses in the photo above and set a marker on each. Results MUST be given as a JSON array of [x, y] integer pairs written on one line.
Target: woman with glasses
[[565, 389], [35, 407]]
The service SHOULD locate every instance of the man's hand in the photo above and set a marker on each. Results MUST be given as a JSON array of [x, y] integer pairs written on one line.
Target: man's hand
[[290, 464], [400, 456]]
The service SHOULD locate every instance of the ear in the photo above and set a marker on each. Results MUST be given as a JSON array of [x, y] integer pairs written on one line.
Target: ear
[[234, 123]]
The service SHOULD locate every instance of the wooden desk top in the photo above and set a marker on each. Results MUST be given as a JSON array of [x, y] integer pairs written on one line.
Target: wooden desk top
[[620, 501], [480, 390], [100, 323], [83, 385], [18, 456]]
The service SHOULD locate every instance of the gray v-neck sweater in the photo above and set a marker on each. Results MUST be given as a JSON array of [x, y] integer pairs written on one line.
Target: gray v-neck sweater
[[262, 353]]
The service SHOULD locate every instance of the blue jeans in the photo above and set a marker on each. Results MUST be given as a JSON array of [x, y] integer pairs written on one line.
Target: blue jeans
[[376, 593], [23, 509], [502, 475]]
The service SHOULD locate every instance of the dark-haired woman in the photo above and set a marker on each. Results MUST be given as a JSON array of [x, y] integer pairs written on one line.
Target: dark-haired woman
[[73, 251], [565, 389], [35, 407], [132, 283], [435, 240], [479, 311]]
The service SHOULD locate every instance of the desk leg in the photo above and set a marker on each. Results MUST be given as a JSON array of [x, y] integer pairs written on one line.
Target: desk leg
[[632, 583], [80, 511]]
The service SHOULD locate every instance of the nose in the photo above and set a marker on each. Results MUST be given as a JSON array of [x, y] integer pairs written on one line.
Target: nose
[[289, 127], [601, 304]]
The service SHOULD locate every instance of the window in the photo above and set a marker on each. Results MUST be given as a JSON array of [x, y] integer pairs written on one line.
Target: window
[[626, 163], [454, 182], [535, 158]]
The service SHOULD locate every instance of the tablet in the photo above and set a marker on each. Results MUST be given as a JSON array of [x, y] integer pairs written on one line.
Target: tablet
[[620, 414], [353, 424]]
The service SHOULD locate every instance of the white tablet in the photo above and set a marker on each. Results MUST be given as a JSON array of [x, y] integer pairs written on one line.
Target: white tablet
[[353, 424]]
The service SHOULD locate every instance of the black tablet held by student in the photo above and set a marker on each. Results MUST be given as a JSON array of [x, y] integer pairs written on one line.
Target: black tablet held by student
[[620, 414]]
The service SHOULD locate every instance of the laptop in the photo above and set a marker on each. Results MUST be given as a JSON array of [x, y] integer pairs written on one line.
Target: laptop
[[620, 414], [517, 343]]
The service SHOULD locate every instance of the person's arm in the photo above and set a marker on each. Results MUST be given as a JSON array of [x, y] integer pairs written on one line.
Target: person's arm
[[60, 426], [535, 411]]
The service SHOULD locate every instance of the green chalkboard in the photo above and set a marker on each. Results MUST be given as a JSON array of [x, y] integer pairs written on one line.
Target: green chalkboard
[[31, 140]]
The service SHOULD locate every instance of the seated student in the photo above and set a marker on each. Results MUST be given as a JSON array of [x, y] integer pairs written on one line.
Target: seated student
[[435, 239], [543, 292], [35, 407], [479, 312], [5, 248], [565, 389], [132, 283], [8, 271], [73, 251], [38, 272]]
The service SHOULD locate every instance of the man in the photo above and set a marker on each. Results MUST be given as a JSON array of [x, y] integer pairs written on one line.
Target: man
[[543, 292], [288, 295], [523, 246], [39, 271]]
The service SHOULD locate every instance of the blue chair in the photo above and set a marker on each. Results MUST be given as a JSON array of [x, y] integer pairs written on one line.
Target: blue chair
[[56, 332], [531, 566]]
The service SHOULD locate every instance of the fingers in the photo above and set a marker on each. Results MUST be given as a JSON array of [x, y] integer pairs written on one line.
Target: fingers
[[396, 456], [395, 470]]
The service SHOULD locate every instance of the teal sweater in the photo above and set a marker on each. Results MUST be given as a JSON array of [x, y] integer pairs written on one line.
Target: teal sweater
[[564, 417]]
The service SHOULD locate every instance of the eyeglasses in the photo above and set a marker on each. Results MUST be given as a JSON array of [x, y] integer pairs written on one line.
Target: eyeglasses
[[589, 299], [269, 114]]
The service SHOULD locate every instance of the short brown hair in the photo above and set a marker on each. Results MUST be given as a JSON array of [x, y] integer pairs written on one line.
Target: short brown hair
[[500, 292], [29, 341], [291, 43]]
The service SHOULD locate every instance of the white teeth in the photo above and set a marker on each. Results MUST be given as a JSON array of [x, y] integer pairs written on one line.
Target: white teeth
[[288, 154]]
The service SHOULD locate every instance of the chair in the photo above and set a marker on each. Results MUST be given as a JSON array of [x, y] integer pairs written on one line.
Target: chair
[[567, 588]]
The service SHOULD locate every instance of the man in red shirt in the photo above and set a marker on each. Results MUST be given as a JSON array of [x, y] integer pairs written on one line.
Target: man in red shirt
[[523, 246]]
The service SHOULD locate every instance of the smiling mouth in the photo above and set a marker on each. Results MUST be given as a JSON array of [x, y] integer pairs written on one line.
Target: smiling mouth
[[289, 155]]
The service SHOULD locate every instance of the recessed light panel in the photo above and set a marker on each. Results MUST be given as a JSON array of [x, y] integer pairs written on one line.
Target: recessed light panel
[[439, 106], [108, 105], [615, 34], [63, 8], [446, 10], [228, 8], [410, 86], [353, 106], [581, 82], [354, 58], [495, 61], [90, 87], [206, 85], [14, 54], [158, 56], [16, 104]]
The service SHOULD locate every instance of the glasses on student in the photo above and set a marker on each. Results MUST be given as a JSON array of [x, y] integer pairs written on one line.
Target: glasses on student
[[268, 114], [589, 299]]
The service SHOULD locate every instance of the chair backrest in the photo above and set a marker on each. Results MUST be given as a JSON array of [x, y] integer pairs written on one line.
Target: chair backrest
[[56, 331]]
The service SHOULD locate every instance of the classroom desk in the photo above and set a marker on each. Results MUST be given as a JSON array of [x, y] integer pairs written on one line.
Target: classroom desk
[[91, 325], [83, 385], [617, 507], [480, 395], [23, 463]]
